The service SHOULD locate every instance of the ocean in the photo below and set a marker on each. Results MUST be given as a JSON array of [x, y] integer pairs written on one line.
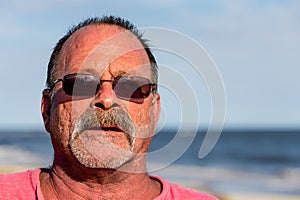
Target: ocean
[[265, 161]]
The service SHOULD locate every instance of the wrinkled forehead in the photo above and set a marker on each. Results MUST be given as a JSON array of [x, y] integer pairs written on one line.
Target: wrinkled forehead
[[102, 46]]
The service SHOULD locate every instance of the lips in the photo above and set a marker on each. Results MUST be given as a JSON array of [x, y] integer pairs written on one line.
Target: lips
[[114, 128]]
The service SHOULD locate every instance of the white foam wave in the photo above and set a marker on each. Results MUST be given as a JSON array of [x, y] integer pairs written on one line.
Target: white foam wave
[[14, 156], [228, 179]]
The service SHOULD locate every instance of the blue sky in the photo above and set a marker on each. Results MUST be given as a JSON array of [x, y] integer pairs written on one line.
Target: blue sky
[[255, 45]]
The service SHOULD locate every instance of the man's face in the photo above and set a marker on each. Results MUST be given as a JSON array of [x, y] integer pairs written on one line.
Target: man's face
[[103, 130]]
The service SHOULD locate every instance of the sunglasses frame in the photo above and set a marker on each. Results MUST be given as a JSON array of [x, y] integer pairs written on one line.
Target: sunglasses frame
[[114, 82]]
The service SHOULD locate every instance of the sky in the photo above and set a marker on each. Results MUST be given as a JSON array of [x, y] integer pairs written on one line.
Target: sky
[[254, 45]]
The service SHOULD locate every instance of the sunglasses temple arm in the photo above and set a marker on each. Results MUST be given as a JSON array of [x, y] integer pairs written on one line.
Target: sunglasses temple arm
[[154, 87], [54, 83]]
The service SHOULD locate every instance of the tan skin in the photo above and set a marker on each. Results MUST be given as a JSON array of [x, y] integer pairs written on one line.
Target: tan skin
[[68, 178]]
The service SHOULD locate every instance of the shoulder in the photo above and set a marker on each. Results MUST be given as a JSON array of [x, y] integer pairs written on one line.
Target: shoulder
[[187, 193], [174, 191], [19, 185]]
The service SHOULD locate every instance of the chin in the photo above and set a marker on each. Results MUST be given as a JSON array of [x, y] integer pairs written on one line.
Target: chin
[[108, 156]]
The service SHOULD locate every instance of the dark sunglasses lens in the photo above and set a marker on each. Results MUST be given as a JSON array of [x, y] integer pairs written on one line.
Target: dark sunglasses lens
[[80, 84], [132, 88]]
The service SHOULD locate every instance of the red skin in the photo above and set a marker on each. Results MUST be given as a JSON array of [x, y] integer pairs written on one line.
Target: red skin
[[69, 179]]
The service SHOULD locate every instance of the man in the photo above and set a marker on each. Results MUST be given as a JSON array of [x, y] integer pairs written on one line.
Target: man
[[100, 109]]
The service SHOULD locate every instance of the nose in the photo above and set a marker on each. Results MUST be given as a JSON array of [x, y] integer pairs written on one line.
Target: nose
[[105, 98]]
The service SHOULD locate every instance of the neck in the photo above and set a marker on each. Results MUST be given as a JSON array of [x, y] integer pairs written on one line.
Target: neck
[[59, 183]]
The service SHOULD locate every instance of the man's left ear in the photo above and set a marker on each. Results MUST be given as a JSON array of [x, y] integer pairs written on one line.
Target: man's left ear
[[156, 105]]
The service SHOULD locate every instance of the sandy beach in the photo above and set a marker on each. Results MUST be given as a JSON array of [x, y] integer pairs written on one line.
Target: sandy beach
[[245, 196]]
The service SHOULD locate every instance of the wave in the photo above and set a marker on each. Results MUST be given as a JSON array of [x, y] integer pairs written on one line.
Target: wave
[[14, 156], [225, 180]]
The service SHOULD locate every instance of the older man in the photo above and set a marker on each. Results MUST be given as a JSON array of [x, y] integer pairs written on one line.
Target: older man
[[100, 109]]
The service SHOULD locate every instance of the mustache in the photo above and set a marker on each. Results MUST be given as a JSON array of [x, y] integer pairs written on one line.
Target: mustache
[[114, 117]]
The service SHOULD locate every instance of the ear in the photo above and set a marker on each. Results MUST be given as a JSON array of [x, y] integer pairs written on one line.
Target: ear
[[45, 108], [156, 105]]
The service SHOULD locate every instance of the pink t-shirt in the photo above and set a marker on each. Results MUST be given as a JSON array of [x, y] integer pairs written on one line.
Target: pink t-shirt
[[26, 185]]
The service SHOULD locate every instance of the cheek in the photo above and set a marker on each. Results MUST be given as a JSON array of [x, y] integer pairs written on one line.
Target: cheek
[[60, 121], [64, 115], [145, 127], [144, 120], [141, 116]]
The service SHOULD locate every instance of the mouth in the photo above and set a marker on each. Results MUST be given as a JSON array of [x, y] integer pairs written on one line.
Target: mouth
[[113, 128], [108, 130]]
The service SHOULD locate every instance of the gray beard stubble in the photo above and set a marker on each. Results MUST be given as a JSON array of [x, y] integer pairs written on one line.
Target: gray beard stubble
[[95, 119]]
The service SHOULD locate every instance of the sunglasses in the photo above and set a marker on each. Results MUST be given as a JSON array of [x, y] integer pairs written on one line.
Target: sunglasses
[[130, 88]]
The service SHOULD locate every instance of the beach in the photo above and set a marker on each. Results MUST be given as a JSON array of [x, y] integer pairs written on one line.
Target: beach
[[259, 196]]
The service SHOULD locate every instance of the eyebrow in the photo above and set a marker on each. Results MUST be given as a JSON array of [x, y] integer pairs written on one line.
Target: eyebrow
[[89, 71], [114, 73], [118, 72]]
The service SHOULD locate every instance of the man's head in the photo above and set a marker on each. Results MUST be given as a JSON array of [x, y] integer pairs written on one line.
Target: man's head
[[101, 105], [110, 20]]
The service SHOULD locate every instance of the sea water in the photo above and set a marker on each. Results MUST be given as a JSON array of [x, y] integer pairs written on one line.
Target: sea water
[[241, 161]]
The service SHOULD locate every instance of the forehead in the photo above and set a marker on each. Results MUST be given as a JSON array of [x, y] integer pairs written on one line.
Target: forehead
[[101, 47]]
